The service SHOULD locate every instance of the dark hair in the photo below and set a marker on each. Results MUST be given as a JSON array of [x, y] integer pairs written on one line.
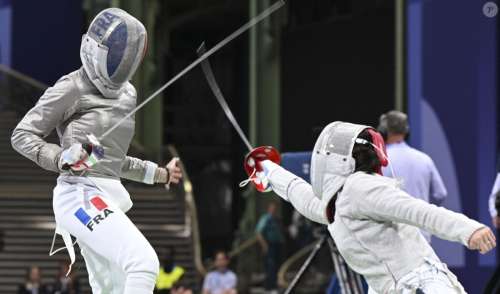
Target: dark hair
[[365, 156]]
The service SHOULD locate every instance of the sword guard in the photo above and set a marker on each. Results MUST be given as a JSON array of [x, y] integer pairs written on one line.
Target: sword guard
[[254, 169]]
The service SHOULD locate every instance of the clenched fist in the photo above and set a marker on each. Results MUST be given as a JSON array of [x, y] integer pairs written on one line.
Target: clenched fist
[[169, 174], [174, 171], [483, 240]]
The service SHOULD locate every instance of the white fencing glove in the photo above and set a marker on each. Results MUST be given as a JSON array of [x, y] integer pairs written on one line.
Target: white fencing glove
[[79, 157], [74, 157]]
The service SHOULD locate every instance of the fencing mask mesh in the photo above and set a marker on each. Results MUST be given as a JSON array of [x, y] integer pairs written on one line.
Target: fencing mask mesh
[[112, 50], [332, 159]]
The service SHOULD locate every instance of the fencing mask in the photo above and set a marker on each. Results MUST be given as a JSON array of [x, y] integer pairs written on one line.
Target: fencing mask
[[332, 160], [112, 49]]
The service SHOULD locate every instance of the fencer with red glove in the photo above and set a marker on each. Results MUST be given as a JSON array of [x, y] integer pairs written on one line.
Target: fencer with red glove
[[375, 224]]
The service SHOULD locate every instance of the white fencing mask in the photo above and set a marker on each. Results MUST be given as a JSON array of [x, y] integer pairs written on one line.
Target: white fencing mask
[[332, 160]]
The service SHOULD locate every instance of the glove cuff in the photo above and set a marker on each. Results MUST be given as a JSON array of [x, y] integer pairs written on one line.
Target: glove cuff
[[162, 175], [149, 172]]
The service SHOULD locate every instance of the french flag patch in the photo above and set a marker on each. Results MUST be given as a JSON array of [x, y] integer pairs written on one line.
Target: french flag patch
[[90, 221]]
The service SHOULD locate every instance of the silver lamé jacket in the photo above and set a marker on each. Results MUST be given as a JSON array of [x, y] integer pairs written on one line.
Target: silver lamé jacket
[[74, 107]]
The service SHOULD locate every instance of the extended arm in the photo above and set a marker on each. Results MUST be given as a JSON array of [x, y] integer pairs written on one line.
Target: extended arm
[[57, 104], [138, 170], [384, 202], [148, 172], [297, 191]]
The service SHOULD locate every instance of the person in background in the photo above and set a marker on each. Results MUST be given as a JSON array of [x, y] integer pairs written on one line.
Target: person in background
[[301, 230], [2, 242], [170, 275], [222, 280], [33, 284], [270, 237], [419, 175], [65, 284], [495, 219], [493, 285]]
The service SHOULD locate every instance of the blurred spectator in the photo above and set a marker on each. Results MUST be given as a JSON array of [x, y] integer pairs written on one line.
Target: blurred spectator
[[493, 201], [222, 280], [65, 284], [493, 285], [33, 284], [270, 236], [416, 169], [301, 230], [2, 242], [170, 277]]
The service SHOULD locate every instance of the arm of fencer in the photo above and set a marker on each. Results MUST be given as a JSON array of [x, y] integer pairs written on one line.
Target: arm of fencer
[[493, 197], [382, 202], [56, 105], [138, 170], [297, 191]]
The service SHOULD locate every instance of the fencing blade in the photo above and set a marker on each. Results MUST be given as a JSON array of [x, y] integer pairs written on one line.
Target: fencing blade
[[212, 82], [214, 49]]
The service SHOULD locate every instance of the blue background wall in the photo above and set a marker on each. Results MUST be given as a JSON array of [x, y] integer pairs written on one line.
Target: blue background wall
[[46, 36], [452, 98], [5, 28]]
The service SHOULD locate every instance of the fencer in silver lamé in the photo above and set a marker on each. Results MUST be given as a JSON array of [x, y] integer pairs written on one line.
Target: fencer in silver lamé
[[74, 107], [92, 99]]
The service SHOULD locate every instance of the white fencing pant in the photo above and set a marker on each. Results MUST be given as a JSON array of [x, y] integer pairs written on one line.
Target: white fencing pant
[[432, 277], [118, 257]]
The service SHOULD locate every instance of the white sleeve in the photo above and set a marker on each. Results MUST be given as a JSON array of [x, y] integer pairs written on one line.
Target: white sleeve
[[382, 202], [494, 191], [297, 191]]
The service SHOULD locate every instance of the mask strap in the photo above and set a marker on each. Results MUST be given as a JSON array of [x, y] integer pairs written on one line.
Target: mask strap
[[365, 142]]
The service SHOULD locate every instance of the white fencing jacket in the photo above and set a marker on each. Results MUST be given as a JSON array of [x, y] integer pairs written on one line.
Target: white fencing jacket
[[376, 224]]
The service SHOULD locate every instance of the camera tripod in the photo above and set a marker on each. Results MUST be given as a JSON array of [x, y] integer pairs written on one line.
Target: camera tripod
[[350, 282]]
